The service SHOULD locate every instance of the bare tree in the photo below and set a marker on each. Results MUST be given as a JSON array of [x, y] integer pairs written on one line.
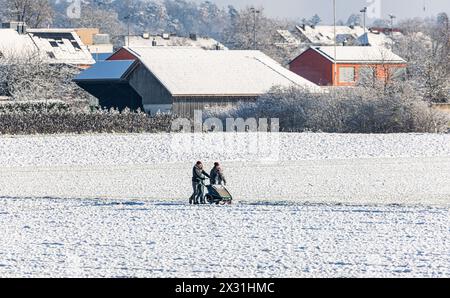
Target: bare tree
[[105, 19], [251, 29], [35, 13]]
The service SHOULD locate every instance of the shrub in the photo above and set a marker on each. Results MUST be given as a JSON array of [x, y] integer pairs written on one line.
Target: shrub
[[59, 117], [395, 109]]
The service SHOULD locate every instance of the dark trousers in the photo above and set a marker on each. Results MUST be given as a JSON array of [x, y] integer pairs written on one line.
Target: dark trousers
[[198, 195]]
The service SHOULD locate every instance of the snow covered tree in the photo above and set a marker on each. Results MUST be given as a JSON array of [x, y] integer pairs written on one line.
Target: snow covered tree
[[354, 110], [36, 13], [212, 19], [30, 78], [102, 16], [426, 47], [315, 20], [250, 30], [354, 20]]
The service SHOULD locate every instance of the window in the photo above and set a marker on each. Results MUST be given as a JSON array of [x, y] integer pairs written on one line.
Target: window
[[346, 74], [75, 45], [366, 75], [397, 73]]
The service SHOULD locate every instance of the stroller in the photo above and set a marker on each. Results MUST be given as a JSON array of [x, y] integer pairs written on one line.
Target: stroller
[[217, 194]]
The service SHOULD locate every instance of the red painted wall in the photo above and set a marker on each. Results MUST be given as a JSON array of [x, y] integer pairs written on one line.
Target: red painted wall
[[313, 67], [122, 54], [316, 68]]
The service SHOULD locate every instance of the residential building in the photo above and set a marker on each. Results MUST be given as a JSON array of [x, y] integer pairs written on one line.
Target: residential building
[[352, 64]]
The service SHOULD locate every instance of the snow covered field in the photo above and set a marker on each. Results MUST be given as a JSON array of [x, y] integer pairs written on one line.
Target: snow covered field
[[311, 205], [401, 169], [44, 237]]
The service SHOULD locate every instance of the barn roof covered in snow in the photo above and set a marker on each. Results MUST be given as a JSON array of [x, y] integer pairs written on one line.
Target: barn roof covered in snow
[[190, 71], [359, 54]]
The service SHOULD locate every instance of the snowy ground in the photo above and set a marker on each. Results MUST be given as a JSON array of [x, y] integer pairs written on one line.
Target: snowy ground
[[45, 237], [374, 169], [306, 205]]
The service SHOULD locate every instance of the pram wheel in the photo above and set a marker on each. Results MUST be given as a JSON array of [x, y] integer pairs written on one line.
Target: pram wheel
[[209, 199]]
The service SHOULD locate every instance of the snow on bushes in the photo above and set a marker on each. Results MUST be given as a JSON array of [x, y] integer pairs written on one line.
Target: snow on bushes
[[29, 77], [59, 117], [395, 109]]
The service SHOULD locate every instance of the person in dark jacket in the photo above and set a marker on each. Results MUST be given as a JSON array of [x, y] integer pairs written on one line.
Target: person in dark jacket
[[216, 175], [198, 176]]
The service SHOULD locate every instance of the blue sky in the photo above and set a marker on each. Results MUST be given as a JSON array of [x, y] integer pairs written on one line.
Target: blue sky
[[297, 9]]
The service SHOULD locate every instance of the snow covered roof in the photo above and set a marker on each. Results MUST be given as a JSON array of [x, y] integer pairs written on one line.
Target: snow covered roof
[[374, 39], [51, 30], [359, 54], [13, 44], [288, 37], [51, 45], [324, 35], [61, 46], [191, 71], [167, 40]]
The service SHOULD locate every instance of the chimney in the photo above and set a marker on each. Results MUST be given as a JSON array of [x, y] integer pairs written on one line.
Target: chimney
[[20, 27], [154, 43]]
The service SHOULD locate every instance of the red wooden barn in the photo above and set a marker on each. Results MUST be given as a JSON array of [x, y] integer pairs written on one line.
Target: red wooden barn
[[353, 64]]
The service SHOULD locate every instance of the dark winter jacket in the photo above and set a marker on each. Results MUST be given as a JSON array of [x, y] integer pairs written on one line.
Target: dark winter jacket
[[198, 175], [217, 177]]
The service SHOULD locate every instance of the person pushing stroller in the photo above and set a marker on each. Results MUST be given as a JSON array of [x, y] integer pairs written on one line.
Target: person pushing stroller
[[198, 176], [217, 176]]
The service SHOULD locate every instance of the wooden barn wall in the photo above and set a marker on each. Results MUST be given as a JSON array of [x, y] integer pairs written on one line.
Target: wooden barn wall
[[148, 87], [185, 106]]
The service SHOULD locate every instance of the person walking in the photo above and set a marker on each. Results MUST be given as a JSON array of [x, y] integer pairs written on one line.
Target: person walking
[[217, 176], [198, 176]]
